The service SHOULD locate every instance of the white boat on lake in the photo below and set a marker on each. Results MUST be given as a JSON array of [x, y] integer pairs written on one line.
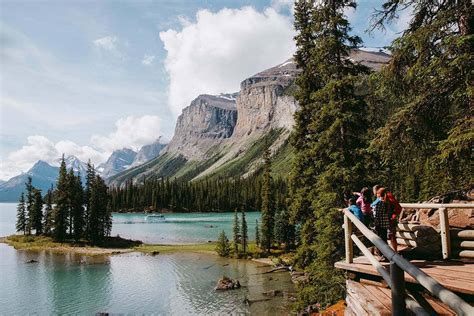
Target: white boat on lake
[[154, 218]]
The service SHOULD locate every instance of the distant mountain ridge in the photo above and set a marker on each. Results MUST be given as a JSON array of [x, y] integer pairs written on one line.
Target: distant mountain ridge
[[43, 177], [225, 136]]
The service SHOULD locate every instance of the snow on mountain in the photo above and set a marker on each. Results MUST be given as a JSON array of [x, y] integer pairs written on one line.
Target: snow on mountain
[[119, 161], [148, 152]]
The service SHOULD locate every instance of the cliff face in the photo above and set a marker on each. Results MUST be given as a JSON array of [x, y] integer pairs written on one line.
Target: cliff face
[[203, 124], [223, 135], [262, 103]]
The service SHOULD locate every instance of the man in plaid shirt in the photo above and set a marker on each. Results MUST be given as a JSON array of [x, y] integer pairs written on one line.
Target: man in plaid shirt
[[384, 226]]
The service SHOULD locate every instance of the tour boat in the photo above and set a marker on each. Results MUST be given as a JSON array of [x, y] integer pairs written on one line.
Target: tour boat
[[154, 218]]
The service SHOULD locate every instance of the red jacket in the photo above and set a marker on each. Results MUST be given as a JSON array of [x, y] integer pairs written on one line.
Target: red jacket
[[396, 207]]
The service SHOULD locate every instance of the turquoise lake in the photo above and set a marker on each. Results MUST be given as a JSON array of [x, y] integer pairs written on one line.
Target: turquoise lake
[[169, 284]]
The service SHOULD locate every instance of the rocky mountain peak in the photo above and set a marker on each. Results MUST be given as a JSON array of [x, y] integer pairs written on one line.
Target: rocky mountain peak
[[207, 119]]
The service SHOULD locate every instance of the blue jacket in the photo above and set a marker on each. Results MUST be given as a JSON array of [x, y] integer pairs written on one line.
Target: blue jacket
[[354, 209]]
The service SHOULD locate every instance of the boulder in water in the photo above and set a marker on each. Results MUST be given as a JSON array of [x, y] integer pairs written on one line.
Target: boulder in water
[[227, 284]]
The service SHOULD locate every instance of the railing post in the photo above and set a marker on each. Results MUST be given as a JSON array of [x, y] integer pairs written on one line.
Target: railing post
[[397, 276], [348, 239], [445, 235]]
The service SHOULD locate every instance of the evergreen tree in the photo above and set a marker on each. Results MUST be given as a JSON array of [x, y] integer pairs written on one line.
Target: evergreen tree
[[90, 176], [77, 208], [62, 204], [268, 213], [29, 204], [37, 212], [21, 215], [48, 213], [244, 233], [236, 232], [257, 233], [284, 231], [99, 217], [223, 247], [334, 120], [428, 143]]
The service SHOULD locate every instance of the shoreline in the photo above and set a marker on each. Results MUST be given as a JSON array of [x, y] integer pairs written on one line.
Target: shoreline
[[40, 243]]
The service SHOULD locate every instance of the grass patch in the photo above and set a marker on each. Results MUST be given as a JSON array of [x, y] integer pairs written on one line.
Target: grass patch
[[110, 245], [205, 247]]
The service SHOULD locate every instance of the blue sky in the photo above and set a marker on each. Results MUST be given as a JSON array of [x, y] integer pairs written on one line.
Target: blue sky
[[88, 77]]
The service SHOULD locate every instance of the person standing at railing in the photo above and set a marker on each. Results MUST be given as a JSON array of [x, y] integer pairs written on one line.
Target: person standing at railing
[[363, 202], [355, 209], [385, 227]]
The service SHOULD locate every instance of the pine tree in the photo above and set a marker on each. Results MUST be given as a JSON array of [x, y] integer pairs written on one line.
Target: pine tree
[[29, 204], [244, 233], [77, 208], [37, 212], [90, 176], [99, 217], [257, 233], [284, 231], [223, 246], [236, 232], [430, 136], [62, 204], [334, 140], [21, 215], [268, 213], [48, 212]]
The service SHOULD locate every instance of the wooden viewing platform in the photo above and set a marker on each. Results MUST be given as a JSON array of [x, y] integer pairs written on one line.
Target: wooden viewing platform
[[409, 287], [456, 276]]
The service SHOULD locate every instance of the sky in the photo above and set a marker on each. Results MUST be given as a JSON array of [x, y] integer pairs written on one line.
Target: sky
[[88, 77]]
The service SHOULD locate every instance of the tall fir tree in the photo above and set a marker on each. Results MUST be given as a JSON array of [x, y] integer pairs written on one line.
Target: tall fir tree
[[77, 207], [29, 204], [428, 141], [223, 247], [284, 230], [99, 217], [334, 138], [37, 212], [268, 212], [62, 204], [90, 176], [21, 224], [257, 233], [48, 213], [244, 233], [236, 233]]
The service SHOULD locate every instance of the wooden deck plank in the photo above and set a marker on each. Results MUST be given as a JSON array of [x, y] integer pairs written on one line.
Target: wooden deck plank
[[363, 295], [457, 276]]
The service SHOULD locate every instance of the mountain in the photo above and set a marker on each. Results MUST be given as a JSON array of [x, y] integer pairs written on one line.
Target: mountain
[[42, 174], [119, 161], [225, 135], [148, 152], [77, 165]]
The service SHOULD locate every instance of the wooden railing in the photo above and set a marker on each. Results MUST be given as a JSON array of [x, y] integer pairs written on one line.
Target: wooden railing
[[398, 265], [443, 220]]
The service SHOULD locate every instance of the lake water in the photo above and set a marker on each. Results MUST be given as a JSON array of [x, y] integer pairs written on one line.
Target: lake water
[[169, 284]]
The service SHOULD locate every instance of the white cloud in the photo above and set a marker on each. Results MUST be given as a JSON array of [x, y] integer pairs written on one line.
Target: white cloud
[[284, 4], [148, 60], [39, 147], [219, 50], [107, 43], [112, 45], [130, 132]]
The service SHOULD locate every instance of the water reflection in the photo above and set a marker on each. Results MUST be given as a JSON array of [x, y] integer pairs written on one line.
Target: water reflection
[[132, 283]]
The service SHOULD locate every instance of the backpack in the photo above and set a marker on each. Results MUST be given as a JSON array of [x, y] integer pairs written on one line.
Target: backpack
[[396, 207]]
